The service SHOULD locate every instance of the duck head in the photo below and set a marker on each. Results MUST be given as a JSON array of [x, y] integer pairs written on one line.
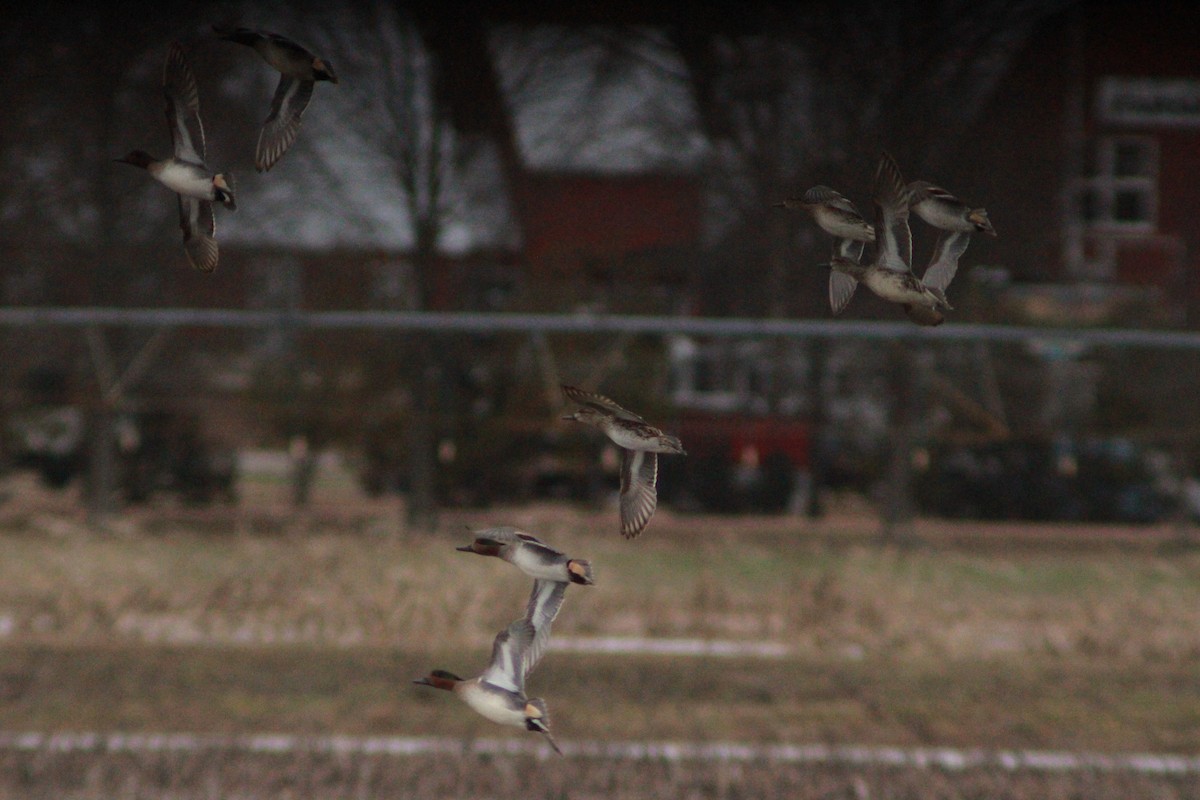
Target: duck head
[[323, 71], [440, 679], [537, 719], [979, 218], [223, 189], [483, 546]]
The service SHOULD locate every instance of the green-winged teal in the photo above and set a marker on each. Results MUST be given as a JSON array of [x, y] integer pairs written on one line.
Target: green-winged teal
[[498, 693], [836, 215], [530, 555], [943, 210], [299, 70], [640, 443], [890, 276], [185, 173]]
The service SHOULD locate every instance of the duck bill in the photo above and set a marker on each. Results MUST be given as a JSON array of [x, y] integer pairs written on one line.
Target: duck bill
[[553, 743], [466, 548]]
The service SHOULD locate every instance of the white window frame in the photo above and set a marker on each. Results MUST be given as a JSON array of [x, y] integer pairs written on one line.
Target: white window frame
[[1105, 184]]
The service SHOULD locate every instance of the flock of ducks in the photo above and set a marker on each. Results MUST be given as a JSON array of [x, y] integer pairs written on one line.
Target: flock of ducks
[[185, 172], [498, 693], [890, 275]]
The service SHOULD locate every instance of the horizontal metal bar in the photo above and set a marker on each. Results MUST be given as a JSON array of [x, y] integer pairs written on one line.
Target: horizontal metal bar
[[481, 323]]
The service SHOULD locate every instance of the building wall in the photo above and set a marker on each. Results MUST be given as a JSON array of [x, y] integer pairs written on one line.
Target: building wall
[[1059, 188], [1150, 60], [572, 219], [1013, 160]]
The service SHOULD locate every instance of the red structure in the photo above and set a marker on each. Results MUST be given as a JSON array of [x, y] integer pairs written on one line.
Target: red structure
[[573, 219], [1091, 152]]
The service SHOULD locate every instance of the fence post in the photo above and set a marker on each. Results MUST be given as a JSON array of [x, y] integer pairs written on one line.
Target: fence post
[[896, 510], [102, 462], [817, 439], [102, 439], [422, 499]]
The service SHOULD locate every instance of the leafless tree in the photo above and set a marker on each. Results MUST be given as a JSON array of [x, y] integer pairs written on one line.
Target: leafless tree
[[81, 101]]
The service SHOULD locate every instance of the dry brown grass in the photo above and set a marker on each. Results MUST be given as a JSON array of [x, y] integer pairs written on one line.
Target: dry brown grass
[[1042, 705], [349, 575], [202, 776], [257, 618]]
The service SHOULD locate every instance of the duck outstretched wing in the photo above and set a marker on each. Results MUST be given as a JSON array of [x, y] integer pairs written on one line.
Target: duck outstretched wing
[[183, 107]]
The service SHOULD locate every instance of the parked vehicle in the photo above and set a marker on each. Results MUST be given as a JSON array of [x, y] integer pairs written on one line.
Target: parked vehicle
[[1064, 479], [741, 416], [157, 451], [735, 463]]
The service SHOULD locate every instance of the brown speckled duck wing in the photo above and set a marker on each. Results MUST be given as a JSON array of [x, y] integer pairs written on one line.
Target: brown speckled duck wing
[[282, 125], [199, 228], [545, 600], [600, 403], [183, 107], [892, 234], [823, 195], [841, 289], [946, 253], [639, 493]]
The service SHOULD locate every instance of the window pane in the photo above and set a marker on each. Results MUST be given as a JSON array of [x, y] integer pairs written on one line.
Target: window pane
[[706, 374], [1088, 205], [1130, 159], [1131, 206]]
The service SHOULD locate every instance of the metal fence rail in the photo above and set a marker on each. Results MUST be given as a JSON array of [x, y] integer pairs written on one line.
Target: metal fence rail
[[475, 323], [1061, 353]]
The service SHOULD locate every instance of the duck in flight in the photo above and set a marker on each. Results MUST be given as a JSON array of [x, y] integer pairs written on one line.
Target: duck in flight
[[836, 215], [498, 693], [185, 173], [530, 555], [890, 275], [299, 70], [943, 210], [639, 442]]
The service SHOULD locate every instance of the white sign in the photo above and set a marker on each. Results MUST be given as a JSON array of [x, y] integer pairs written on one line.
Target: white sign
[[1149, 101]]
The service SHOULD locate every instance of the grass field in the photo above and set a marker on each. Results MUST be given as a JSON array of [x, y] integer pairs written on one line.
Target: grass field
[[258, 619], [207, 775]]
